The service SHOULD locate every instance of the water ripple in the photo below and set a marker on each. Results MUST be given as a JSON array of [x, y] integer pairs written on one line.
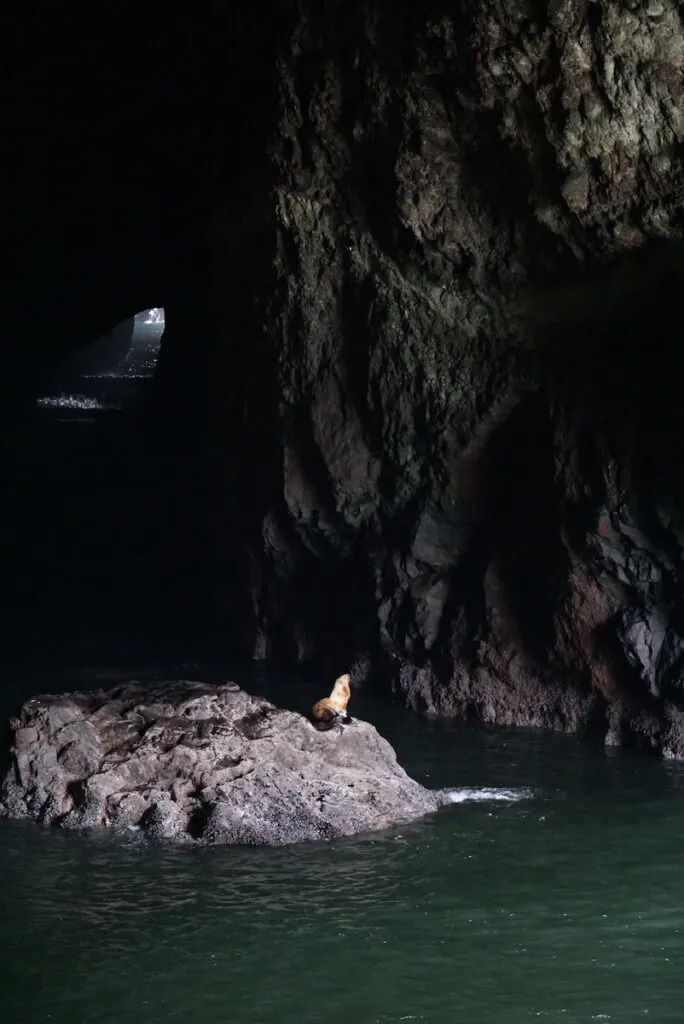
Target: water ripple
[[558, 901]]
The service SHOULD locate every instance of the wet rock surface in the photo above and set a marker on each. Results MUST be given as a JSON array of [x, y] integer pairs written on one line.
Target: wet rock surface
[[192, 761]]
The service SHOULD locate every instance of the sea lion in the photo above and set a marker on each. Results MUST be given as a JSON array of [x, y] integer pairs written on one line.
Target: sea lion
[[334, 708]]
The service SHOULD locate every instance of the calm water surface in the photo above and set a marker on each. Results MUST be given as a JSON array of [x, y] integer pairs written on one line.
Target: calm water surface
[[565, 906]]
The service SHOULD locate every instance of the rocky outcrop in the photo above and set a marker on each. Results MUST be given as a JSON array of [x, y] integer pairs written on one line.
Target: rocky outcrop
[[193, 761], [459, 375]]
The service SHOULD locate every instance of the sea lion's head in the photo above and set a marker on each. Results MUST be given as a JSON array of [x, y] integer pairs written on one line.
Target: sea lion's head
[[341, 691]]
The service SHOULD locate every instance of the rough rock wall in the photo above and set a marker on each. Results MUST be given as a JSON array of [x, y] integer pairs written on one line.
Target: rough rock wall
[[455, 396]]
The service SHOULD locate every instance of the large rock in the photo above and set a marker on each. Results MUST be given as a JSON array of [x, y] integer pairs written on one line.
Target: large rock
[[187, 760]]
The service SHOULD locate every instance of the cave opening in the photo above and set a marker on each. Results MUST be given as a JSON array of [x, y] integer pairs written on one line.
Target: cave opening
[[101, 554], [111, 371]]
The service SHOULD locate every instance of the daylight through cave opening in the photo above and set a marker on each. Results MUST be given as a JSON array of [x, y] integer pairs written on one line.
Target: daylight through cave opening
[[105, 548], [128, 354]]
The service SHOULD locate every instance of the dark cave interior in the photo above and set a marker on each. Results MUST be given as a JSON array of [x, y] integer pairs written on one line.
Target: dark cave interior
[[414, 414], [137, 171], [103, 549], [102, 525]]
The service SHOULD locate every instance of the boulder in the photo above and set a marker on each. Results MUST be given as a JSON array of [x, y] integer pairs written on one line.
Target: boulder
[[196, 761]]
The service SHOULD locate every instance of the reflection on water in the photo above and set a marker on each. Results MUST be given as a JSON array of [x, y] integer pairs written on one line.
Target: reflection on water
[[563, 906]]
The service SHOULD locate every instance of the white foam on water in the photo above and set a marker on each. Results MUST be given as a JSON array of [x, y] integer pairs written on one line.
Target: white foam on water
[[117, 375], [469, 794], [71, 402]]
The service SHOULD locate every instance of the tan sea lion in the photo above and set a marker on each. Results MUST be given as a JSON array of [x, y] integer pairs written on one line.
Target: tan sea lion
[[334, 708]]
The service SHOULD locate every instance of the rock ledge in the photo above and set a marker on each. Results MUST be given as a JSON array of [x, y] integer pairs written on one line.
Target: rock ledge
[[195, 761]]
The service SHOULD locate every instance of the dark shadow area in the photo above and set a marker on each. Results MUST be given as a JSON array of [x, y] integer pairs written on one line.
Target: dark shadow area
[[523, 518], [101, 547], [124, 128]]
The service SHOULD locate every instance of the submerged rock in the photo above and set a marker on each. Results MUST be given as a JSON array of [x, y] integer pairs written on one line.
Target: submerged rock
[[188, 760]]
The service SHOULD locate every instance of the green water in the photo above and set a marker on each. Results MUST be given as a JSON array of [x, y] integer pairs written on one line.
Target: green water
[[566, 906]]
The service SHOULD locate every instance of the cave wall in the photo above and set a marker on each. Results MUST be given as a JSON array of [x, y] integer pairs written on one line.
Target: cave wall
[[420, 266], [446, 346]]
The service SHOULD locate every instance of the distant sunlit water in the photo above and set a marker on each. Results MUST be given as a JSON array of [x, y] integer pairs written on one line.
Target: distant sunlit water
[[562, 903]]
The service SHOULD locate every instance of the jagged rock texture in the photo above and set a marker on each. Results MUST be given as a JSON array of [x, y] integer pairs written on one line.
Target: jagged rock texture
[[193, 761], [455, 392]]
